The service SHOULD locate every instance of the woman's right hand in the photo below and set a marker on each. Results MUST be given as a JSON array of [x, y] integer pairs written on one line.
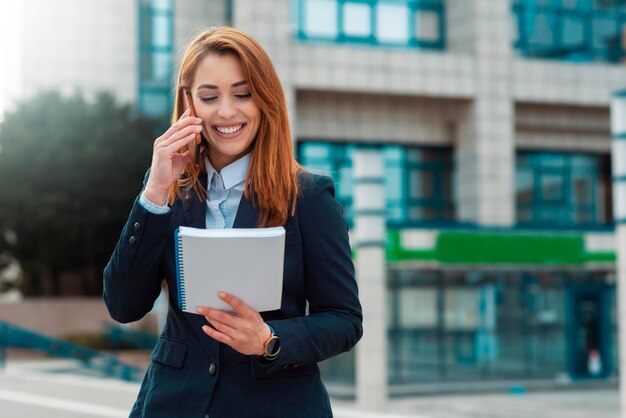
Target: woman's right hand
[[167, 162]]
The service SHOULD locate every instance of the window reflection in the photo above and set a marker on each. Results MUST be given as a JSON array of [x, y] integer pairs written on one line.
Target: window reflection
[[583, 30], [155, 56], [321, 18], [357, 20], [385, 22], [562, 189], [418, 181], [392, 23]]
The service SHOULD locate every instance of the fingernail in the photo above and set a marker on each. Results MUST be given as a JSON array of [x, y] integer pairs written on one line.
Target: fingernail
[[199, 310], [222, 295]]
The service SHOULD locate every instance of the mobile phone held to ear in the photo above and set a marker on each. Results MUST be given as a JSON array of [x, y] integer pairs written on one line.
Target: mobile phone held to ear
[[195, 144]]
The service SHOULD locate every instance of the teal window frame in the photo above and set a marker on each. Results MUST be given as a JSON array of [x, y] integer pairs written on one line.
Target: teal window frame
[[543, 29], [561, 209], [414, 8], [152, 88], [439, 167]]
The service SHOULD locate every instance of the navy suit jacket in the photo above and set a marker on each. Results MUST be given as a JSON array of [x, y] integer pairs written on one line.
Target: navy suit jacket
[[190, 374]]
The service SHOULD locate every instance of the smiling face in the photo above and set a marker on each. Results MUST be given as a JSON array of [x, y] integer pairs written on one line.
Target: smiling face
[[222, 99]]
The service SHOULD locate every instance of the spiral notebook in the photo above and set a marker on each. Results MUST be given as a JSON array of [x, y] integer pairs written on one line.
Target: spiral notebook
[[245, 262]]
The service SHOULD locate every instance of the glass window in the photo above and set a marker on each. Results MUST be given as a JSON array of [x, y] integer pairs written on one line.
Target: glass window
[[357, 19], [552, 187], [162, 66], [394, 183], [162, 5], [155, 104], [426, 25], [392, 23], [418, 181], [609, 4], [417, 307], [421, 184], [317, 157], [472, 325], [321, 18], [572, 30], [161, 31], [524, 185], [569, 4], [155, 56], [562, 189], [344, 184], [379, 22]]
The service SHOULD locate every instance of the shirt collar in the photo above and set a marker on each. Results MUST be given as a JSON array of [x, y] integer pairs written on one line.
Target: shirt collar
[[233, 174]]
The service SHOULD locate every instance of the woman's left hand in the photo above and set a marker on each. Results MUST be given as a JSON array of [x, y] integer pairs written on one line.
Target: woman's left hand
[[243, 330]]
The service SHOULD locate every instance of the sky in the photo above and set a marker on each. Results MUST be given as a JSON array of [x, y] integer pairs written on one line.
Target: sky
[[10, 48]]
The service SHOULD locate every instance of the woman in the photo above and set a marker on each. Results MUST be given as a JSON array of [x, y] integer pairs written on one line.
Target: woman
[[243, 175]]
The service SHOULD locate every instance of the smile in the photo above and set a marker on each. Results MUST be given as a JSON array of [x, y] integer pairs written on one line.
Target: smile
[[228, 130]]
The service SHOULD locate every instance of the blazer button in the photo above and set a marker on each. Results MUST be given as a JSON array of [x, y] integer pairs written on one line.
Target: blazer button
[[212, 369], [132, 240], [137, 226]]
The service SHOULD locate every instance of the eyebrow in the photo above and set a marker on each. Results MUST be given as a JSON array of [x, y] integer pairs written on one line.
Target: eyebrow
[[211, 86]]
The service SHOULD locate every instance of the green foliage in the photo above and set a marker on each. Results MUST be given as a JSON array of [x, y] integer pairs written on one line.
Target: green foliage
[[69, 171]]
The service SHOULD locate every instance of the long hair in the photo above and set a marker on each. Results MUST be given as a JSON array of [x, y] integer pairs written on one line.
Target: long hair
[[272, 178]]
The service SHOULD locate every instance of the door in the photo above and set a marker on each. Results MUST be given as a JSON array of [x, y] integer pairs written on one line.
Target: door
[[588, 331]]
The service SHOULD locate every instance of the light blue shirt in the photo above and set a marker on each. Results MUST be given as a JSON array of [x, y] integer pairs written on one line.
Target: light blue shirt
[[224, 194]]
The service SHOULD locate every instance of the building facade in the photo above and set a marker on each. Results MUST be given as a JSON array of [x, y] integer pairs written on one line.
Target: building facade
[[493, 120]]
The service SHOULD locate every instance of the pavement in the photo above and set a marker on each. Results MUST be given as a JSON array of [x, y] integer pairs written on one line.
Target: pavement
[[60, 389]]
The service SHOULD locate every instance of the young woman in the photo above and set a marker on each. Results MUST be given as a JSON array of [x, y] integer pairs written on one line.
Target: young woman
[[242, 175]]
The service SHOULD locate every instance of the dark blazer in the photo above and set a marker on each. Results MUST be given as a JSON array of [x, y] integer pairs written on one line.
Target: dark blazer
[[190, 374]]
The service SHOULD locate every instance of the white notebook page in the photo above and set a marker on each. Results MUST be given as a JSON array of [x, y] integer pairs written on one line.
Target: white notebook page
[[245, 262]]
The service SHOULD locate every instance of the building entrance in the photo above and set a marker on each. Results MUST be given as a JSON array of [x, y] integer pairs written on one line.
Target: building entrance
[[588, 331]]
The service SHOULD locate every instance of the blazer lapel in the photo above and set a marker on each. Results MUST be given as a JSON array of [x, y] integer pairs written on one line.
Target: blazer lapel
[[194, 208], [247, 215]]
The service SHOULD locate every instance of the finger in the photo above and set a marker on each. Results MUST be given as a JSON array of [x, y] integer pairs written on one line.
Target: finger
[[216, 335], [187, 130], [173, 128], [183, 122], [226, 318], [238, 305], [177, 145], [224, 328]]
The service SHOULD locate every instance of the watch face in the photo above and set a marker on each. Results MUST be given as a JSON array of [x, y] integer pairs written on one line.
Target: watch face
[[273, 346]]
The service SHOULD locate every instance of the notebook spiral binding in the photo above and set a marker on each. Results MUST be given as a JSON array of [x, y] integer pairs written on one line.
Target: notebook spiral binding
[[180, 272]]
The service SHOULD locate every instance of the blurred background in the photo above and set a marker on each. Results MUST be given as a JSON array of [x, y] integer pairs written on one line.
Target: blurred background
[[492, 122]]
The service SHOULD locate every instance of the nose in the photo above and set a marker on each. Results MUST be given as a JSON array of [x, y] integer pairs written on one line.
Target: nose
[[227, 109]]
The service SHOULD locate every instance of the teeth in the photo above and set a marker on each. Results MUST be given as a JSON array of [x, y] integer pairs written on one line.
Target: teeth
[[230, 130]]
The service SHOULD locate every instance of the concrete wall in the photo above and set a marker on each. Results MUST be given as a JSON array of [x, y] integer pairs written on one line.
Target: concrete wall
[[339, 116], [562, 128]]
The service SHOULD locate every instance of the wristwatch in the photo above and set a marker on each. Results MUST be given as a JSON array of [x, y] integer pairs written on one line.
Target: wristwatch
[[271, 346]]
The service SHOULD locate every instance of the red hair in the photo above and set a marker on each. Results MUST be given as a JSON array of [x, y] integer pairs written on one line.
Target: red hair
[[272, 178]]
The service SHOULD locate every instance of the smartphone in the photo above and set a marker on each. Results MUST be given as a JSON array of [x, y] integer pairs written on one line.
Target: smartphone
[[195, 144]]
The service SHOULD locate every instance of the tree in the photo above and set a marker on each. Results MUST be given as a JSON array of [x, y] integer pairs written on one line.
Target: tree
[[69, 171]]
